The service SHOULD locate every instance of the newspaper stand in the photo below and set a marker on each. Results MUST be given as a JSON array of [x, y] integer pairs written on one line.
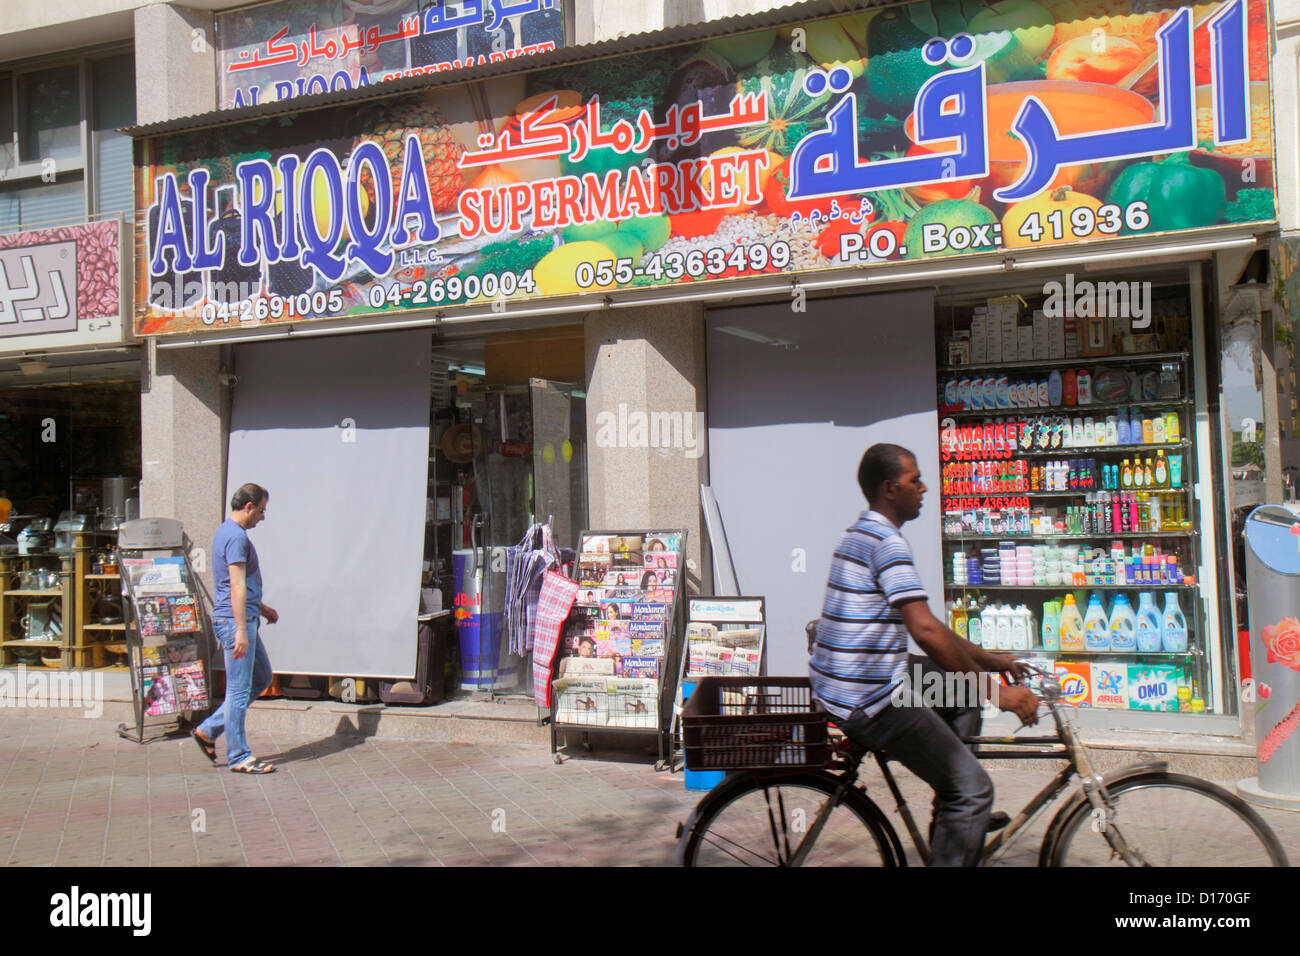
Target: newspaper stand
[[171, 669], [670, 669]]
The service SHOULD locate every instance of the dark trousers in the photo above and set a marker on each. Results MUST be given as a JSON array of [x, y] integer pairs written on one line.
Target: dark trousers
[[925, 739]]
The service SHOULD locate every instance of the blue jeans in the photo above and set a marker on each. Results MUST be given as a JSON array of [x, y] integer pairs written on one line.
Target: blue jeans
[[246, 678], [926, 740]]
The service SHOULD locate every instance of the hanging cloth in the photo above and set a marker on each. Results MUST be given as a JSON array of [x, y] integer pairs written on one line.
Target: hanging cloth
[[526, 566], [555, 600]]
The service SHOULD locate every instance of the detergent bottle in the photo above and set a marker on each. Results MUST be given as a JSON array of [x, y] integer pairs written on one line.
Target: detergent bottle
[[1070, 626], [1051, 638], [1173, 631], [1020, 628], [1096, 625], [1148, 628], [1123, 625]]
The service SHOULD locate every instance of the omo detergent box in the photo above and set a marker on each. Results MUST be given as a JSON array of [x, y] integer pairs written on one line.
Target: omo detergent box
[[1076, 682], [1110, 685], [1155, 686]]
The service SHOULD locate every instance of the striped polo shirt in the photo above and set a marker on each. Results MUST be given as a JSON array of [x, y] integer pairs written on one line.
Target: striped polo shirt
[[860, 654]]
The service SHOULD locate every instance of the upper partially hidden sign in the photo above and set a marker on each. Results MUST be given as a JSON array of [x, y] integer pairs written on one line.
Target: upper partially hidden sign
[[294, 47], [942, 128]]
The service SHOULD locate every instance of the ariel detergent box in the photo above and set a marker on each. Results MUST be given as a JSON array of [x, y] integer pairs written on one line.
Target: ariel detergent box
[[1110, 685], [1155, 686]]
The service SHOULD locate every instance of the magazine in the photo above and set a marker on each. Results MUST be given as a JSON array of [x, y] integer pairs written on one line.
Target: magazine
[[154, 617], [159, 698], [182, 651], [184, 614], [191, 687]]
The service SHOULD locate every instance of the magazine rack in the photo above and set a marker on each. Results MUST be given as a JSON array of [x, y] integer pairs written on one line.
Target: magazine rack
[[625, 703], [715, 647], [168, 633]]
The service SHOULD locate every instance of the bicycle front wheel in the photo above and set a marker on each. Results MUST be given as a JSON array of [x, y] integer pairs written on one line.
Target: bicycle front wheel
[[1170, 820], [750, 820]]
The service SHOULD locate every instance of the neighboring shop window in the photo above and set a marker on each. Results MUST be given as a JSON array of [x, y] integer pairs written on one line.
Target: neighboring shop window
[[61, 157]]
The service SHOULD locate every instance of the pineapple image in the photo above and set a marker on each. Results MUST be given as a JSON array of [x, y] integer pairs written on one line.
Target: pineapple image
[[410, 117]]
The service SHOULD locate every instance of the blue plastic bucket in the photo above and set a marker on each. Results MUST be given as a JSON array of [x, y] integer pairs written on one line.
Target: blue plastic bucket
[[700, 779]]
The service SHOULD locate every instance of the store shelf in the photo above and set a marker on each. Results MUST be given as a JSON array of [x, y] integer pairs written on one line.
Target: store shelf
[[56, 592], [1078, 493], [1048, 538], [1136, 586], [104, 627], [103, 577], [1078, 362], [56, 645], [1113, 655], [1094, 449], [1058, 410]]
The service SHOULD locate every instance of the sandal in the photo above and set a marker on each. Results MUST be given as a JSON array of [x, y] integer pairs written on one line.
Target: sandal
[[253, 765], [209, 747]]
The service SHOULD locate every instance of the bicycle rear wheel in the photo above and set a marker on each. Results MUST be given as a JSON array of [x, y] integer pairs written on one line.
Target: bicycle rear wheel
[[1171, 820], [752, 820]]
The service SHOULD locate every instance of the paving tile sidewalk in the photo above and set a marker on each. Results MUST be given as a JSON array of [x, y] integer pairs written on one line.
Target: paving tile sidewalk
[[72, 793]]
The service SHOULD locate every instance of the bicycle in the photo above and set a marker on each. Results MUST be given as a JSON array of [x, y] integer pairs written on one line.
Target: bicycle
[[793, 798]]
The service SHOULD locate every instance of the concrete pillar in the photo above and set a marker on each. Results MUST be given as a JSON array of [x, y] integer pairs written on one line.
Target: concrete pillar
[[184, 424], [646, 440], [175, 63]]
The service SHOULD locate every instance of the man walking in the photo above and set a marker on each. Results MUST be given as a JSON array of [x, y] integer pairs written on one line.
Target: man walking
[[236, 612], [874, 599]]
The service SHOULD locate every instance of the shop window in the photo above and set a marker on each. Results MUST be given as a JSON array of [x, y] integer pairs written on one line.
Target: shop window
[[61, 157]]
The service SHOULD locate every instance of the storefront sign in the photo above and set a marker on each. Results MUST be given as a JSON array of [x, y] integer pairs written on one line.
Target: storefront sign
[[911, 132], [294, 47], [54, 282]]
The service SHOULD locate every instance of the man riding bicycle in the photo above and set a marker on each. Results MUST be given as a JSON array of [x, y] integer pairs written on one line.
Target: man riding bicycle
[[859, 665]]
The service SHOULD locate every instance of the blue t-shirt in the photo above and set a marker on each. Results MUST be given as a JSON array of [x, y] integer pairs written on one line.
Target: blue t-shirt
[[231, 545]]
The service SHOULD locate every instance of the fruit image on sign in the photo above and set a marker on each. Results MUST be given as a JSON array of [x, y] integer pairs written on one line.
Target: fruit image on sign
[[790, 150]]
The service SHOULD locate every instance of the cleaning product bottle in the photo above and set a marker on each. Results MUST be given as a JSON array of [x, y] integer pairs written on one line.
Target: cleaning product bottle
[[1123, 624], [1173, 429], [959, 618], [1158, 429], [1070, 626], [1148, 432], [974, 626], [1173, 626], [1148, 626], [1083, 383], [988, 627], [1069, 387], [1020, 628], [1096, 625], [1148, 473], [1122, 427], [1051, 635], [1126, 475], [1004, 627], [1175, 471], [1054, 388]]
